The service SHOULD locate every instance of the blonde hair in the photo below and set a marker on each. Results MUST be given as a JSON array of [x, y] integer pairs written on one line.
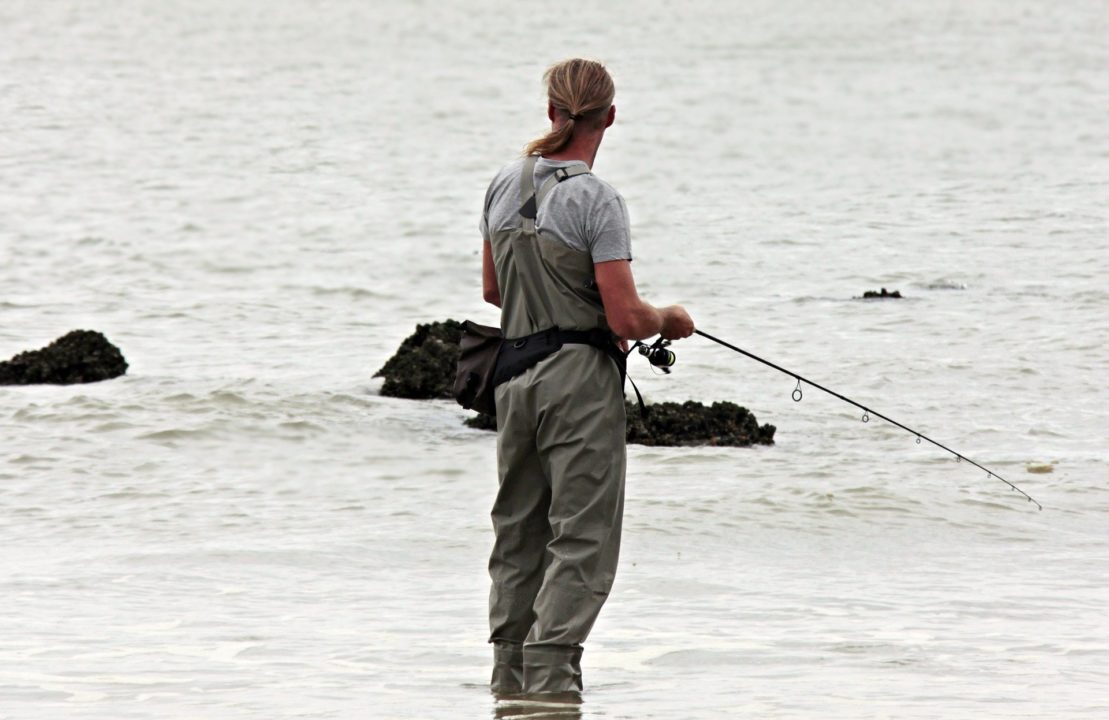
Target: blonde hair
[[580, 89]]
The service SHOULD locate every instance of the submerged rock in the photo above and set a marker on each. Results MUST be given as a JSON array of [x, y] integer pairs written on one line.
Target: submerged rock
[[80, 356], [688, 423], [872, 294], [424, 365]]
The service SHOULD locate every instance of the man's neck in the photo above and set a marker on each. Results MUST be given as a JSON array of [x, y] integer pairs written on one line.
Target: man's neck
[[582, 148]]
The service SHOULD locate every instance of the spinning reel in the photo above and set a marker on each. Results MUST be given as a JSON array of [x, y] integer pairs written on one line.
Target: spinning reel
[[658, 354]]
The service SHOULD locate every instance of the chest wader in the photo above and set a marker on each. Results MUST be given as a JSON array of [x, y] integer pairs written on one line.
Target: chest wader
[[560, 460]]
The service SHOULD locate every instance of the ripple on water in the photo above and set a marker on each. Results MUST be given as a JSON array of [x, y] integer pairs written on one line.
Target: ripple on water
[[942, 284], [170, 436]]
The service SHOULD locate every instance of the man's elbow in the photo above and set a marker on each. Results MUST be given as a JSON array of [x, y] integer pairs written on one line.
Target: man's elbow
[[492, 296]]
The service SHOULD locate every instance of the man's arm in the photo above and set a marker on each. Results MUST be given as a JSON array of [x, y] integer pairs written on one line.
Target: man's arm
[[489, 289], [630, 317]]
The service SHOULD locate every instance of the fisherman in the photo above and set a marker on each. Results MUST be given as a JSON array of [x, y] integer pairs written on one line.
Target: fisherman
[[557, 261]]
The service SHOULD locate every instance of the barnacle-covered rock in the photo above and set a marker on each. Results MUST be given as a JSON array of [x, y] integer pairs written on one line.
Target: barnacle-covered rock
[[882, 295], [424, 365], [79, 356], [693, 423]]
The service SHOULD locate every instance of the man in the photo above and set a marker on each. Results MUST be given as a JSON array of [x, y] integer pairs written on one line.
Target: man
[[557, 262]]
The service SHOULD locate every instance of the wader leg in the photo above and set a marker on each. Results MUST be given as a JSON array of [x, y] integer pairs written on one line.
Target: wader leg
[[518, 560], [581, 440]]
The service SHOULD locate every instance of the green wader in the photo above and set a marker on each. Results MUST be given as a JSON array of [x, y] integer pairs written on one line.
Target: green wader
[[561, 462]]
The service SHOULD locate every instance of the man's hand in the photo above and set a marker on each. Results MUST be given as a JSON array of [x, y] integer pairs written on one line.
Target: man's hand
[[676, 323]]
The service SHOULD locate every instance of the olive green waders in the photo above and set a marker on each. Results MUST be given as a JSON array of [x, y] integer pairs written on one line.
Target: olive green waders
[[561, 462]]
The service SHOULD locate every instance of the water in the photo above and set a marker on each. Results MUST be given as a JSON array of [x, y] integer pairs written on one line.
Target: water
[[257, 202]]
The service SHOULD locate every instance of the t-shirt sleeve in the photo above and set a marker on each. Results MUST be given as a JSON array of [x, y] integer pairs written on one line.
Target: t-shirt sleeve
[[610, 232]]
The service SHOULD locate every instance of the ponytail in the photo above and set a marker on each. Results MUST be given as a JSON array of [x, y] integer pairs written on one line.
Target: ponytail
[[581, 91]]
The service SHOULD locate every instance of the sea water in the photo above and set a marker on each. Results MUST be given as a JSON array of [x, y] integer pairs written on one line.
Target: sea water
[[258, 201]]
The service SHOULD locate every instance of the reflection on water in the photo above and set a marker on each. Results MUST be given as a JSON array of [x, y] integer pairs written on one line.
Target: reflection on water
[[545, 706]]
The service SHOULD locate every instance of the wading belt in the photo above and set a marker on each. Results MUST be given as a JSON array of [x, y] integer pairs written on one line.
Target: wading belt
[[518, 355]]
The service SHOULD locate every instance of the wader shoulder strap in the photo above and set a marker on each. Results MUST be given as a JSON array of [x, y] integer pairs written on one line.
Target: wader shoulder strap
[[530, 201], [527, 178], [559, 175], [528, 204]]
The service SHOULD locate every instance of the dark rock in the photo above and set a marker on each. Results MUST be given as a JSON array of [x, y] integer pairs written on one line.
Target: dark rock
[[80, 356], [692, 423], [424, 365], [871, 294], [688, 423]]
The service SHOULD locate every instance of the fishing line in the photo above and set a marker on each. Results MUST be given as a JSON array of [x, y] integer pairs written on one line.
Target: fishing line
[[797, 394]]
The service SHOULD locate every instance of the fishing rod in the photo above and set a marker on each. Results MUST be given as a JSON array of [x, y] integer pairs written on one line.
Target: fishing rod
[[660, 356]]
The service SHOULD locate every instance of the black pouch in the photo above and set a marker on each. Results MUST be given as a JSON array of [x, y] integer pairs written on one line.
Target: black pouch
[[477, 362], [520, 354]]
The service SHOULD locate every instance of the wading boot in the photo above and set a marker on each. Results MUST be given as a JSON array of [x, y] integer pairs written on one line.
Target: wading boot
[[508, 668], [553, 670]]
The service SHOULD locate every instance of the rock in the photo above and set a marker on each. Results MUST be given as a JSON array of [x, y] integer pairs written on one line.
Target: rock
[[692, 423], [871, 294], [80, 356], [688, 423], [424, 365]]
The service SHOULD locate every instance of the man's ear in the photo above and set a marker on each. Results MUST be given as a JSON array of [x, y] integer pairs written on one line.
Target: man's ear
[[611, 116], [550, 111]]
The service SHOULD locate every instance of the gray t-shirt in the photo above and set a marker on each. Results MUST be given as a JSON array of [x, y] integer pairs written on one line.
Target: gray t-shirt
[[584, 211]]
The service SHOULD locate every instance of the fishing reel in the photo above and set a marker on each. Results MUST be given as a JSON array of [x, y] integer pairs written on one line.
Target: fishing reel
[[658, 354]]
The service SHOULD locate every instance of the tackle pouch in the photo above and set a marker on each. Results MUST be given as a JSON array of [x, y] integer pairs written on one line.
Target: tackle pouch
[[477, 362]]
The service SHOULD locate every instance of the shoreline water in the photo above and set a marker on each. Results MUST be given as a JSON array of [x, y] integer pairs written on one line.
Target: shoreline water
[[258, 204]]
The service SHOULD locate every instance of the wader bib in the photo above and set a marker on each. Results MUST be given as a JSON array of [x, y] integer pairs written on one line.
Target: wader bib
[[560, 460]]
